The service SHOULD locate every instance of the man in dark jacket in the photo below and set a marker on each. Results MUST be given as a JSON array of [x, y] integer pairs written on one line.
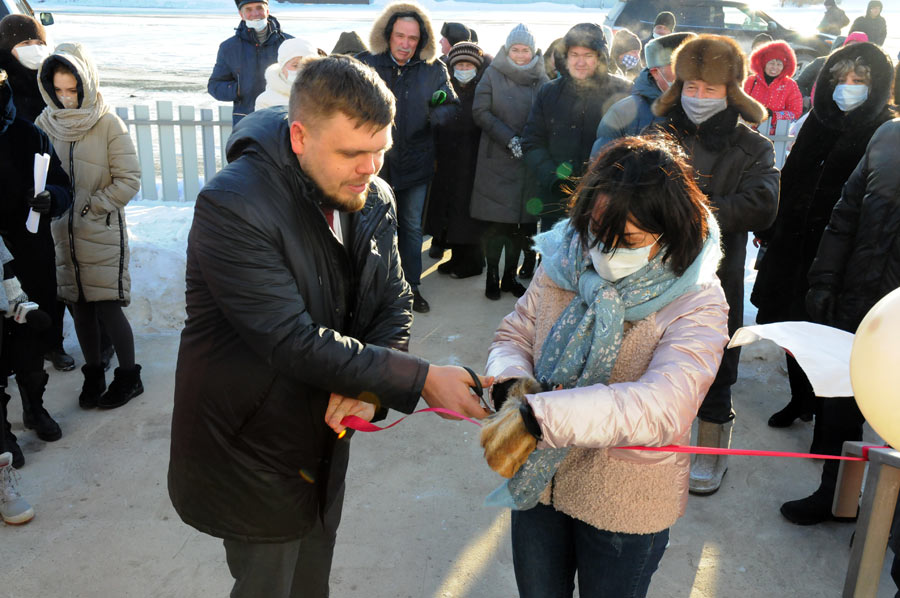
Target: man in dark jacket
[[35, 259], [834, 19], [631, 115], [240, 72], [403, 51], [562, 125], [735, 167], [298, 314], [872, 24]]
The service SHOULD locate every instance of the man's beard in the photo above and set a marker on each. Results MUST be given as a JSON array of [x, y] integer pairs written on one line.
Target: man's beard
[[354, 204]]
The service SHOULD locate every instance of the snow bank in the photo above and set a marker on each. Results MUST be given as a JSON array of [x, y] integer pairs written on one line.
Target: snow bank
[[157, 236]]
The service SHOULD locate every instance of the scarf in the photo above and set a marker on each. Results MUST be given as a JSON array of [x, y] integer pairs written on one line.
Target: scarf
[[583, 345], [71, 124]]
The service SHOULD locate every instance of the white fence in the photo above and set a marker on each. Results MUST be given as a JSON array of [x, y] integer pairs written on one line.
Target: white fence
[[172, 175], [167, 173]]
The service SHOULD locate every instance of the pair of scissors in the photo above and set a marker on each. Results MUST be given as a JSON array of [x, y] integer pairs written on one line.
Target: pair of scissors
[[479, 389]]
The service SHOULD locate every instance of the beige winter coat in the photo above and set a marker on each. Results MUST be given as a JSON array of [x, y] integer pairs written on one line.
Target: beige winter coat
[[91, 238], [665, 365]]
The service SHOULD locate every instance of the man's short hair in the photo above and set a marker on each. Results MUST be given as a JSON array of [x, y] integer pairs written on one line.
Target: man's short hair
[[343, 84]]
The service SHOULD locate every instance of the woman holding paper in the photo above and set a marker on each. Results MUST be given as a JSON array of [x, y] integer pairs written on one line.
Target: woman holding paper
[[614, 344], [92, 239]]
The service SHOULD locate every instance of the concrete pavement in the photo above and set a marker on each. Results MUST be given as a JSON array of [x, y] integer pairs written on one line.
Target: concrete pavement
[[414, 525]]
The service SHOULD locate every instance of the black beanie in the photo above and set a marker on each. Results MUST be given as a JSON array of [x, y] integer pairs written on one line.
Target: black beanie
[[15, 29], [241, 3], [456, 32], [665, 18]]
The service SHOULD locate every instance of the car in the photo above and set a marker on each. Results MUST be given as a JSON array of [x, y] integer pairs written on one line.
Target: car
[[21, 7], [722, 17]]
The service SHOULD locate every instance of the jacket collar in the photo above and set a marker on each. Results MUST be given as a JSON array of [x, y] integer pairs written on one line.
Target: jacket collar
[[244, 32], [714, 134]]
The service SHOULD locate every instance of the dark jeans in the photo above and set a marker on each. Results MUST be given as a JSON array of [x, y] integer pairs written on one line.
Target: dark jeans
[[549, 547], [410, 210], [297, 569]]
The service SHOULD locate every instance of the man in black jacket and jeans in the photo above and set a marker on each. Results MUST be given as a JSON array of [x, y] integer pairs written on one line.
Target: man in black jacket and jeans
[[298, 314]]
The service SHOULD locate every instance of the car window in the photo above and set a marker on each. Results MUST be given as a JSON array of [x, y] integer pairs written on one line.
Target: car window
[[699, 16], [740, 18]]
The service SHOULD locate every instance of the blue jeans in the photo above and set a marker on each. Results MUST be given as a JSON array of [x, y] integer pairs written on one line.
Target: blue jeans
[[410, 209], [549, 547]]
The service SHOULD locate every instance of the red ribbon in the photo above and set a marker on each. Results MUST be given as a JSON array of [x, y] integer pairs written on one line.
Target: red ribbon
[[360, 425]]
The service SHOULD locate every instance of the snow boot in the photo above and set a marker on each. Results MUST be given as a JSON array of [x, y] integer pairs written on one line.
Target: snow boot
[[492, 283], [14, 509], [816, 508], [707, 471], [93, 387], [509, 284], [34, 416], [125, 386]]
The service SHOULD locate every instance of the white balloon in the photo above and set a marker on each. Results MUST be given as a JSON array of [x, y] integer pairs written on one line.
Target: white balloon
[[875, 367]]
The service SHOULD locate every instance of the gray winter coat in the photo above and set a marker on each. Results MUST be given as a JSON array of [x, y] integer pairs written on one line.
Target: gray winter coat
[[502, 102]]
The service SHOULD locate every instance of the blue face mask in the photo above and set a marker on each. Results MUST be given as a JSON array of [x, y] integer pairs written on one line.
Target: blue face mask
[[848, 97], [464, 76]]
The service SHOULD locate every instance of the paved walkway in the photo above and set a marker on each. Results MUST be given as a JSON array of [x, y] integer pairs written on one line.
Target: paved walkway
[[414, 525]]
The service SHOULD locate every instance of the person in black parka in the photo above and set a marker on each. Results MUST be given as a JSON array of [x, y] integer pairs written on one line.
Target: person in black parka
[[872, 23], [828, 147], [18, 32], [239, 75], [447, 217], [35, 259]]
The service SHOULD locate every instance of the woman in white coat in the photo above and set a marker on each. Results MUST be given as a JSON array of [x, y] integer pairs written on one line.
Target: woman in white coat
[[280, 76], [91, 239]]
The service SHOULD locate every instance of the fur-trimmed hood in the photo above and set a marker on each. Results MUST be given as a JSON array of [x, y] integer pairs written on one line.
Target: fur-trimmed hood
[[824, 106], [427, 49], [585, 35], [777, 50], [715, 59]]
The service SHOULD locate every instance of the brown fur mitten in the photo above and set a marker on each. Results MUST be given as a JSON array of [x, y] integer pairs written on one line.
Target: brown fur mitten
[[506, 441]]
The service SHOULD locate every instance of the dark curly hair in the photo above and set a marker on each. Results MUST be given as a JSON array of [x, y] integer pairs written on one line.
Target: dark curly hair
[[649, 182]]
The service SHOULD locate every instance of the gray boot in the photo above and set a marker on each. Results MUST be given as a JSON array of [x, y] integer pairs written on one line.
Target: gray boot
[[707, 470]]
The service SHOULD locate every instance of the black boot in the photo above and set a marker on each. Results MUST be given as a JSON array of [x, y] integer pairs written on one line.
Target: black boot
[[125, 386], [786, 416], [93, 387], [10, 442], [816, 508], [492, 284], [34, 416], [528, 264], [511, 285]]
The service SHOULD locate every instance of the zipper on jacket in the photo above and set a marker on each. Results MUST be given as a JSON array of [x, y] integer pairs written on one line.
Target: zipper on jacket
[[121, 254], [72, 221]]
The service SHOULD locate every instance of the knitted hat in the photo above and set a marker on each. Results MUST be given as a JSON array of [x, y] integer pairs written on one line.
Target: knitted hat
[[855, 37], [349, 43], [658, 52], [666, 19], [241, 3], [456, 32], [624, 41], [520, 35], [15, 29], [468, 52], [714, 59]]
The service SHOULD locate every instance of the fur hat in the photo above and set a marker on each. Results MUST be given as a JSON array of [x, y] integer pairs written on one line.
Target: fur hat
[[718, 60], [777, 50], [384, 24], [587, 35], [665, 18], [658, 52], [15, 29], [624, 41], [520, 35], [465, 51], [241, 3], [349, 43]]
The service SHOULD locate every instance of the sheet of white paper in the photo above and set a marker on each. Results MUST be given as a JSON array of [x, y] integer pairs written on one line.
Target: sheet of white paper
[[41, 166], [822, 351]]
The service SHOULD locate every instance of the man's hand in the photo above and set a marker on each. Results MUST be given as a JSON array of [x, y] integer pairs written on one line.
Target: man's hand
[[448, 386], [340, 406]]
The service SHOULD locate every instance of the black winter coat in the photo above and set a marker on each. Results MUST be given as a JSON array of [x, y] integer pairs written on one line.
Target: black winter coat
[[239, 75], [23, 80], [280, 314], [875, 28], [560, 132], [859, 254], [735, 168], [456, 149], [411, 161], [828, 147], [35, 258]]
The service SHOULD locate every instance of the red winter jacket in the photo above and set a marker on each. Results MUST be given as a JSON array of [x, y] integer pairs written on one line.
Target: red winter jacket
[[782, 97]]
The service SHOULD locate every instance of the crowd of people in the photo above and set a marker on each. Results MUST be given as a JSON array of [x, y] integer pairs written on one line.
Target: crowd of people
[[621, 177]]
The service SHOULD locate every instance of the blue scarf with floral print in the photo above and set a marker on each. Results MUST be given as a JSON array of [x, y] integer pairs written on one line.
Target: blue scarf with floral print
[[582, 347]]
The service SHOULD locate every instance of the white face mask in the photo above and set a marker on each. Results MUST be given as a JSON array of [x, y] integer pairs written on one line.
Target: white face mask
[[31, 57], [700, 110], [258, 25], [618, 264], [656, 35], [68, 102], [291, 76], [848, 97], [464, 76]]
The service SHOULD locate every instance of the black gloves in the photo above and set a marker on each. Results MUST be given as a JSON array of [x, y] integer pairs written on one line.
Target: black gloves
[[41, 202], [820, 300]]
